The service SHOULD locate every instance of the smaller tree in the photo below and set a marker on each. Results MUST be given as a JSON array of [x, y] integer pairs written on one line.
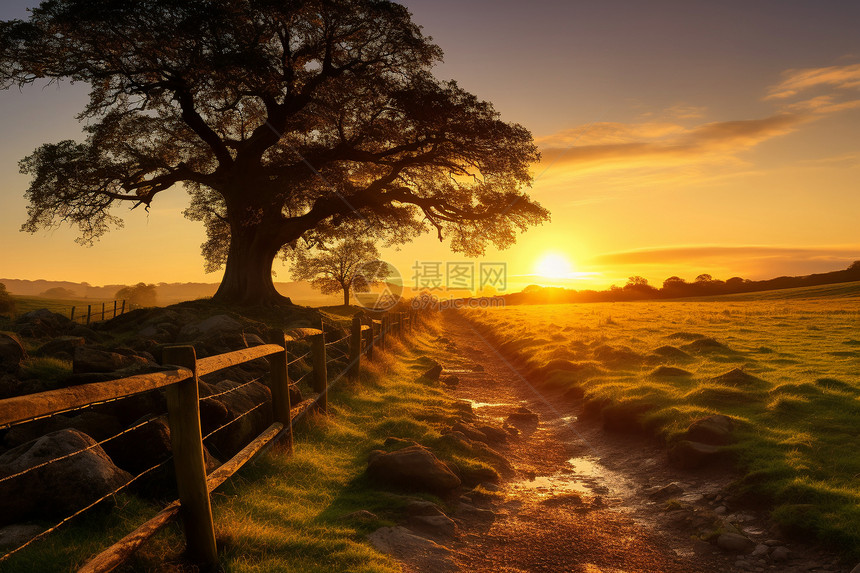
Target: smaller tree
[[59, 292], [140, 294], [7, 303], [348, 263]]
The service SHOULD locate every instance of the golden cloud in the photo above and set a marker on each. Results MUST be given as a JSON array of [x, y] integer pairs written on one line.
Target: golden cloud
[[613, 143], [798, 80]]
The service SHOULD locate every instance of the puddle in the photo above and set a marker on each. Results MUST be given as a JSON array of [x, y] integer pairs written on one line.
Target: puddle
[[555, 484], [476, 404]]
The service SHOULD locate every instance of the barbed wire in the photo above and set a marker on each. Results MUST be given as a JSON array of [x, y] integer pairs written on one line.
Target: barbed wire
[[234, 420], [77, 452], [338, 341], [65, 520], [234, 389], [302, 357]]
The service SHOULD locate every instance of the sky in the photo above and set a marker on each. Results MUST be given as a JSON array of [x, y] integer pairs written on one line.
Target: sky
[[677, 138]]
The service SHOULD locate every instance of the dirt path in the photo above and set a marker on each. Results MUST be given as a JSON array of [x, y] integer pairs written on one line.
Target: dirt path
[[580, 501]]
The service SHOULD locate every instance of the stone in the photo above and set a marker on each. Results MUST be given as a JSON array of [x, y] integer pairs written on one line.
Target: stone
[[89, 360], [12, 353], [421, 507], [142, 448], [451, 381], [13, 536], [721, 510], [664, 491], [524, 416], [62, 345], [433, 373], [494, 435], [760, 549], [419, 553], [734, 543], [213, 326], [715, 430], [475, 475], [414, 467], [470, 431], [439, 526], [238, 402], [58, 488], [42, 323], [469, 511], [781, 553], [693, 455]]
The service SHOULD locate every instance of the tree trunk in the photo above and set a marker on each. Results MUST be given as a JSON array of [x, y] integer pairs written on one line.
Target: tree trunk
[[345, 296], [248, 272]]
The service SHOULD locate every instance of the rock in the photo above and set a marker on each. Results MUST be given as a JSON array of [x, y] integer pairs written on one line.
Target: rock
[[96, 425], [745, 565], [624, 416], [524, 416], [12, 352], [61, 487], [439, 526], [62, 345], [476, 475], [760, 549], [692, 455], [419, 553], [470, 431], [781, 553], [664, 491], [467, 511], [421, 507], [715, 430], [451, 381], [213, 326], [433, 373], [494, 435], [237, 403], [856, 569], [398, 443], [87, 360], [42, 323], [142, 448], [13, 536], [720, 510], [773, 542], [734, 543], [414, 467]]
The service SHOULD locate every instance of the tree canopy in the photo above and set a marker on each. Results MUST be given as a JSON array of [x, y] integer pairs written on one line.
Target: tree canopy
[[140, 294], [285, 120], [348, 264]]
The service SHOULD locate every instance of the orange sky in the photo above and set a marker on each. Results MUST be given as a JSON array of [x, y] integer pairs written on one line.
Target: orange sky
[[678, 138]]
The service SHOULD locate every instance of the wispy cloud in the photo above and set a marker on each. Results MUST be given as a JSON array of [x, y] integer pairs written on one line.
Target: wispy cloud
[[797, 80], [612, 144]]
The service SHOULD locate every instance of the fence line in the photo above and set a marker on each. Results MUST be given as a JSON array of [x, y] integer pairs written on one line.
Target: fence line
[[182, 388]]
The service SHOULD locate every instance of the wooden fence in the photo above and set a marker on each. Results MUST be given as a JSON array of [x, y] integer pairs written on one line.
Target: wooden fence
[[180, 383], [91, 315]]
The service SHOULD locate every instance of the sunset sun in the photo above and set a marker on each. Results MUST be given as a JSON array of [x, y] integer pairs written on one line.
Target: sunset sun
[[553, 266]]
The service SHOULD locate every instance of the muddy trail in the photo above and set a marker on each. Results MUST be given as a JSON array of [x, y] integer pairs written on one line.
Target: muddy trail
[[587, 501]]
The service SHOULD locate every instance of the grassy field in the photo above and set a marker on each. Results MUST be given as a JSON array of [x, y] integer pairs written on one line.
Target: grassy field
[[788, 371], [287, 513], [25, 304]]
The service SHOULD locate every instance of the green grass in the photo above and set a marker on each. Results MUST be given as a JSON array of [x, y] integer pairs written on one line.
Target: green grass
[[287, 513], [24, 304], [798, 411]]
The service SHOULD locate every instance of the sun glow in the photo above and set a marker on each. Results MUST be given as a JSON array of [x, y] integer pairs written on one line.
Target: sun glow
[[554, 266]]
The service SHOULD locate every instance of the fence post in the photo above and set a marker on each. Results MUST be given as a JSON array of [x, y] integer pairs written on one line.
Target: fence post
[[319, 368], [280, 387], [103, 312], [123, 308], [383, 330], [72, 317], [183, 409], [369, 343], [354, 348], [114, 309], [89, 313]]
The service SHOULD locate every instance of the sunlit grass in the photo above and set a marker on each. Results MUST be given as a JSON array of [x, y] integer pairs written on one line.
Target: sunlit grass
[[289, 513], [796, 401]]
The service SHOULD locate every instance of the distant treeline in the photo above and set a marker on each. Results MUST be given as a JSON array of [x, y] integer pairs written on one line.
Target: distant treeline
[[637, 288]]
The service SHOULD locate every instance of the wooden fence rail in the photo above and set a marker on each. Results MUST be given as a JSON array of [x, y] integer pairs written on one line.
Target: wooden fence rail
[[181, 385], [119, 307]]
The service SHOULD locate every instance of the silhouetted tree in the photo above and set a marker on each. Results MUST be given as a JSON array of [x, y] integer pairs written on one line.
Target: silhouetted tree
[[7, 303], [59, 292], [140, 294], [350, 263], [284, 120], [704, 278]]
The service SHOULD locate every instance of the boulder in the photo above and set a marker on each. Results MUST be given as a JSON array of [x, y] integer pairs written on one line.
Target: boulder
[[715, 430], [664, 491], [523, 416], [419, 553], [494, 435], [217, 325], [414, 467], [237, 403], [12, 353], [89, 360], [96, 425], [59, 488], [693, 455], [451, 381], [436, 526], [735, 543], [143, 447], [470, 431], [42, 323], [624, 416], [62, 345], [433, 373]]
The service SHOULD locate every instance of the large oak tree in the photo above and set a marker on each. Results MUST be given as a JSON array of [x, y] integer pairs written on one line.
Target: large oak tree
[[285, 119]]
